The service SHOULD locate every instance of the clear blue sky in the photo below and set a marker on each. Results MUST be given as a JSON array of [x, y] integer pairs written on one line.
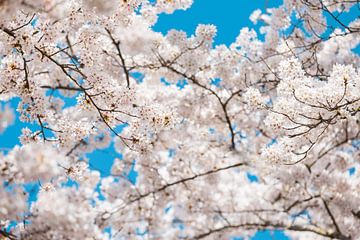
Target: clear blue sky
[[228, 15]]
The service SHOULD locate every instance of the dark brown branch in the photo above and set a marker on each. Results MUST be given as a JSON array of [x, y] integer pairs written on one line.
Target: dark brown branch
[[331, 215], [118, 49], [11, 32], [175, 183], [7, 235], [87, 95], [222, 104], [184, 180], [63, 88], [268, 225]]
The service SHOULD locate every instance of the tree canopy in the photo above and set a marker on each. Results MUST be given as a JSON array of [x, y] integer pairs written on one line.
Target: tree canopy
[[226, 140]]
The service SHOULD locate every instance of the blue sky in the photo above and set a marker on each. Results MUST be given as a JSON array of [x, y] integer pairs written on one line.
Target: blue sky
[[228, 15]]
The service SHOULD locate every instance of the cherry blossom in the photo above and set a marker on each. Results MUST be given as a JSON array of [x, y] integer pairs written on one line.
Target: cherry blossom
[[206, 141]]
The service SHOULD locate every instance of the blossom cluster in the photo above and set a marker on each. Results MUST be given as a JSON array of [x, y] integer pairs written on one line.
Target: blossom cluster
[[205, 141]]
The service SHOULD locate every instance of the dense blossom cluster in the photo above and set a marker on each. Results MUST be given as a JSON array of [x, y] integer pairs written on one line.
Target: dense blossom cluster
[[225, 140]]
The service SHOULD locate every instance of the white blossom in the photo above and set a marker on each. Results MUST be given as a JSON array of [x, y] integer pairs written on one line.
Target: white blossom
[[195, 140]]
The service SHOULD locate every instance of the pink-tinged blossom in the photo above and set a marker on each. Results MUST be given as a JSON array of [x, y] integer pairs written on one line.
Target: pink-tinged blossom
[[215, 141]]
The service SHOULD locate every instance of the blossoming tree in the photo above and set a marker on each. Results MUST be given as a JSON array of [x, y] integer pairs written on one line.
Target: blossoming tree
[[283, 111]]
